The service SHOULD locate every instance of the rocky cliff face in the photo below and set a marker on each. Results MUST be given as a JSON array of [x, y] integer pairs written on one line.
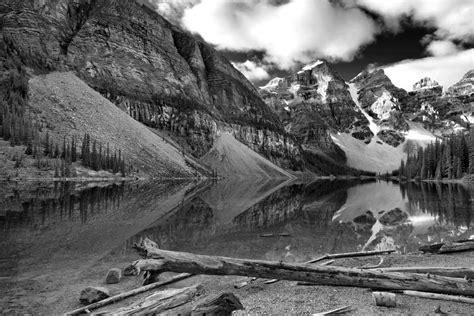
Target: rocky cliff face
[[442, 112], [312, 103], [464, 87], [383, 102], [154, 71]]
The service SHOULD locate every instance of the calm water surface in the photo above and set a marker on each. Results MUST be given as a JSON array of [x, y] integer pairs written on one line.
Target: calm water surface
[[45, 223]]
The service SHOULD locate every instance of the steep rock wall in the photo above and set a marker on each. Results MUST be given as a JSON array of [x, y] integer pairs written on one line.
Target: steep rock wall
[[149, 68]]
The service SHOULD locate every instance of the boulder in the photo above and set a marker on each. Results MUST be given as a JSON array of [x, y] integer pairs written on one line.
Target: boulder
[[113, 276], [93, 294]]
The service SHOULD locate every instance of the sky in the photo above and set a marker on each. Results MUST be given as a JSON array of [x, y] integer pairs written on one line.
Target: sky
[[410, 39]]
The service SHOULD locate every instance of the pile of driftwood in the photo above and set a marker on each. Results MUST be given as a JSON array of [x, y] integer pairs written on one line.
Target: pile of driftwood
[[453, 284]]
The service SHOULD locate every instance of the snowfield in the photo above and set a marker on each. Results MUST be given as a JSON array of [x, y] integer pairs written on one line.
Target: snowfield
[[377, 156]]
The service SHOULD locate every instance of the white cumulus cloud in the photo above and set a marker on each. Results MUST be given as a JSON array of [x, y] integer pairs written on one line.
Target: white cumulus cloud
[[441, 48], [252, 70], [447, 70], [293, 31], [453, 19]]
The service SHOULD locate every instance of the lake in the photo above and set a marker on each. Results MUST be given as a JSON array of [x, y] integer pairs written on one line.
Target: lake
[[52, 233]]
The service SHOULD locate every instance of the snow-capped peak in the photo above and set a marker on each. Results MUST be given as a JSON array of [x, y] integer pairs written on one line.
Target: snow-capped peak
[[425, 83], [311, 66], [275, 82]]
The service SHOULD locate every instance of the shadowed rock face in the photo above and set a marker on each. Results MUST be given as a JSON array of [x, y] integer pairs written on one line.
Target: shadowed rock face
[[151, 69]]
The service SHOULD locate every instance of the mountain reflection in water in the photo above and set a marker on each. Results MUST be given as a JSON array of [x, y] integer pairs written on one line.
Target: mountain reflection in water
[[267, 219], [304, 220]]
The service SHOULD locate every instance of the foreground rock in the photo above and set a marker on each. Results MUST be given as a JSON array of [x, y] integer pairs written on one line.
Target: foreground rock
[[93, 294], [113, 276]]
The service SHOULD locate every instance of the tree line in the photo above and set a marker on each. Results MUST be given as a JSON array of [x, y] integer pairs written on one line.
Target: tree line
[[452, 158]]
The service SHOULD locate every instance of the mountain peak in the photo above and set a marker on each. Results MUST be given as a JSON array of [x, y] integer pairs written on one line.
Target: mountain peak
[[425, 83]]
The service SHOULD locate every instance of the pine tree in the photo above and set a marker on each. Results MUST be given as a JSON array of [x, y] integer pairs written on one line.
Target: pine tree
[[464, 153], [73, 150], [438, 172], [401, 170], [458, 168], [85, 150], [56, 151], [46, 151], [64, 151], [95, 157]]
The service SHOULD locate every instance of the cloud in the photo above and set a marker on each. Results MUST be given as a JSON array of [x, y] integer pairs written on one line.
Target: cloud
[[288, 31], [253, 71], [453, 19], [173, 10], [441, 48], [447, 70]]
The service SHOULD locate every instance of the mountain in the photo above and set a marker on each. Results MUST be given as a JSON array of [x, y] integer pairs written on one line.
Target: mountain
[[382, 100], [63, 101], [311, 104], [185, 93], [373, 122], [150, 69]]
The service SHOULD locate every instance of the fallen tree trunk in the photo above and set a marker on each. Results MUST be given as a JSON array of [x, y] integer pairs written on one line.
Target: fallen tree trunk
[[160, 302], [449, 272], [351, 255], [164, 260], [121, 296], [441, 248], [322, 264], [444, 297]]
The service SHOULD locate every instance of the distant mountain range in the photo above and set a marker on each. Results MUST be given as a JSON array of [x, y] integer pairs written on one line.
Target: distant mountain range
[[191, 96], [370, 118]]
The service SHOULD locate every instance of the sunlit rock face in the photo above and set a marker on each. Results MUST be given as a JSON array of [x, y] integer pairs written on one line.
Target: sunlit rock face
[[377, 94], [151, 69], [443, 113], [313, 102], [428, 86], [464, 87], [315, 84]]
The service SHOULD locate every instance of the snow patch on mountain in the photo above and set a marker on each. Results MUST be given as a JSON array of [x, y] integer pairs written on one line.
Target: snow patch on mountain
[[273, 84], [384, 106], [377, 156], [315, 64]]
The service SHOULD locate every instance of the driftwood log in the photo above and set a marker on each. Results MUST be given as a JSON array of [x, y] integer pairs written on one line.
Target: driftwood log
[[444, 297], [163, 260], [160, 302], [322, 264], [351, 255], [453, 272], [449, 247], [222, 304], [121, 296]]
